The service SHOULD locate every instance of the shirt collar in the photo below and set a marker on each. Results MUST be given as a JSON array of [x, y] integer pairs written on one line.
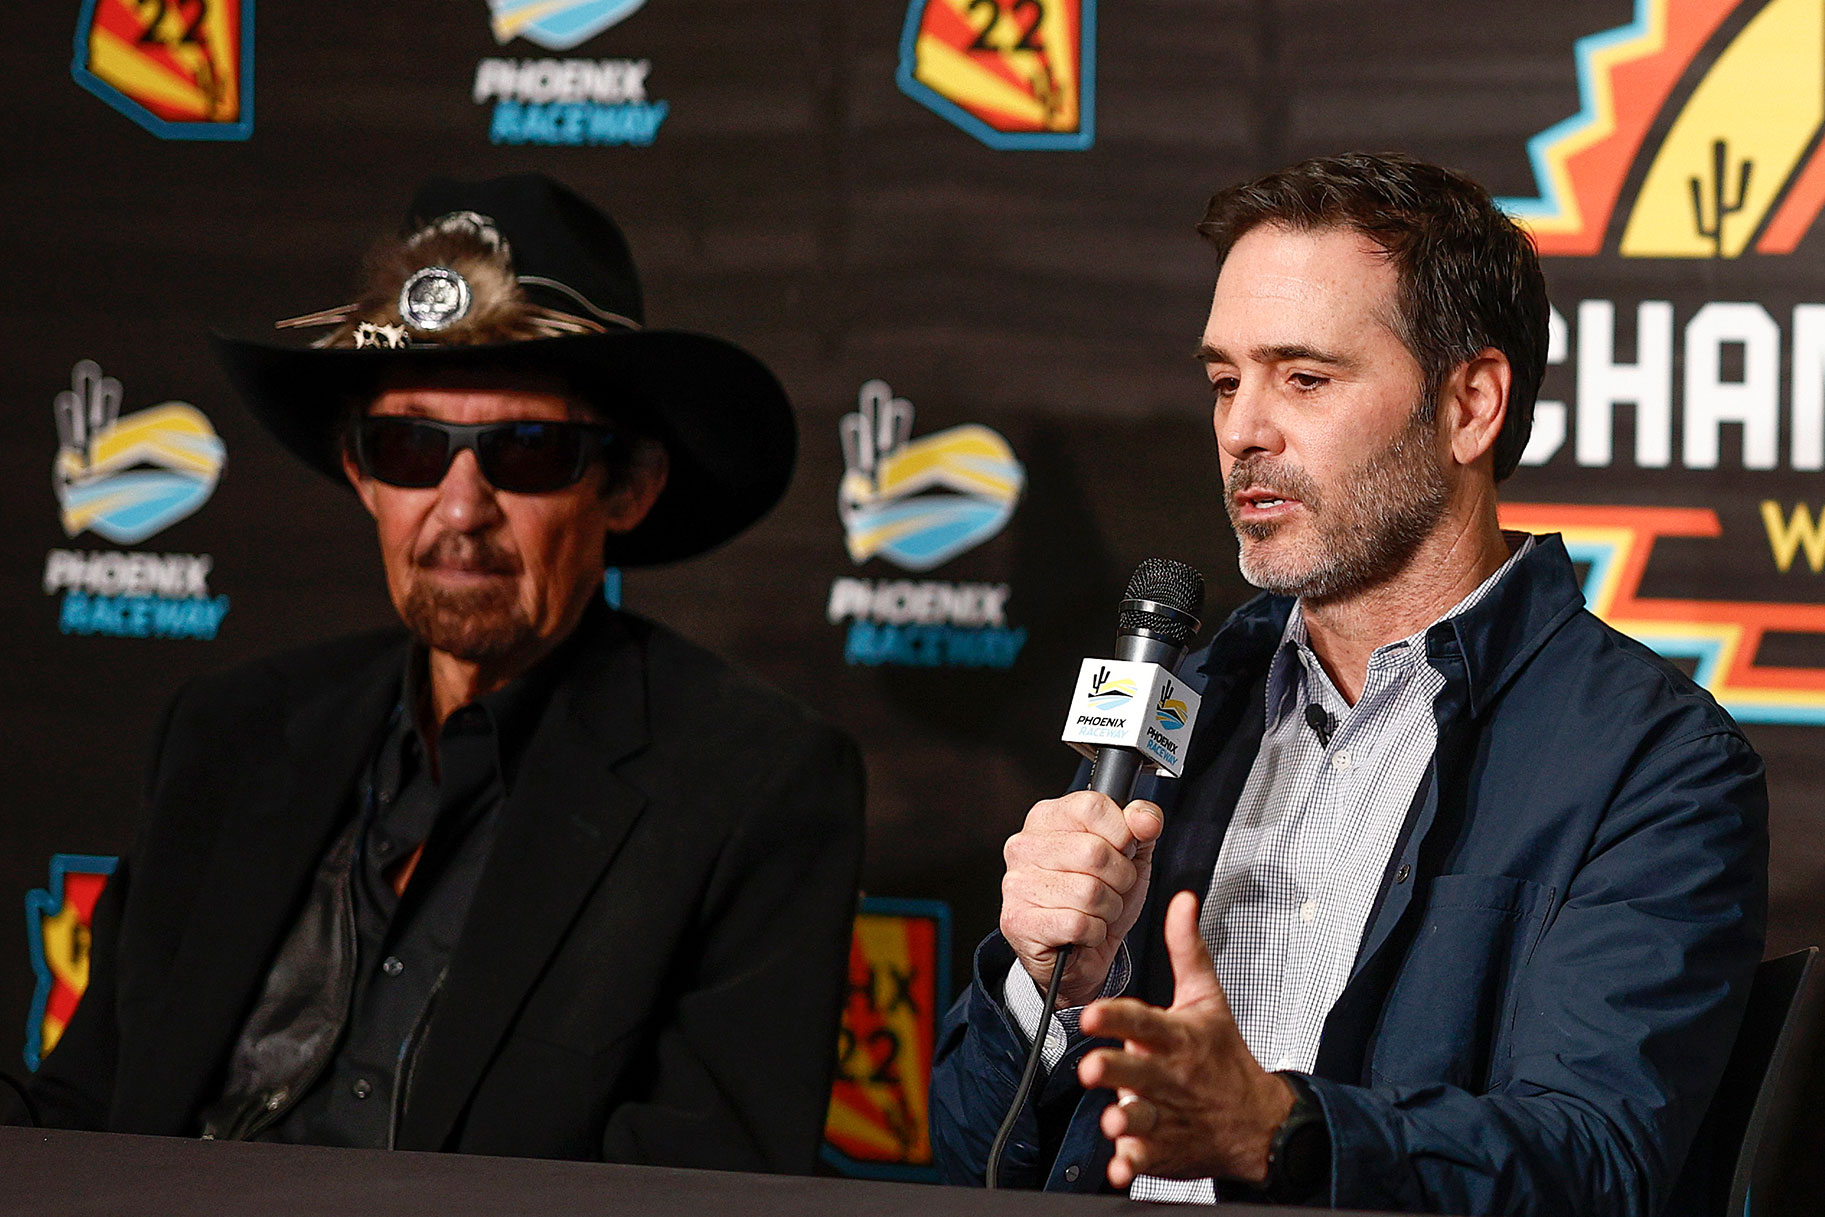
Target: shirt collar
[[1295, 665], [509, 714]]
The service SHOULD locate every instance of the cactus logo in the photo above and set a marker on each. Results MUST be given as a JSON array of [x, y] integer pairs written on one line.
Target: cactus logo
[[1170, 712], [1734, 92], [1016, 74], [1106, 694], [58, 917], [182, 69], [920, 503], [127, 478], [558, 25]]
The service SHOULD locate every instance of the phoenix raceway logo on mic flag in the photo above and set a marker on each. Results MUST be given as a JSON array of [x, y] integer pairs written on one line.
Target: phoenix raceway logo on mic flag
[[1099, 717], [1106, 692], [1697, 145], [182, 69], [899, 983], [595, 102], [1016, 74], [126, 478], [1169, 712], [918, 503], [57, 919]]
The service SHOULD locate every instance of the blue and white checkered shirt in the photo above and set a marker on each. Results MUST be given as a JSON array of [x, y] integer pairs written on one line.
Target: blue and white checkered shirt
[[1303, 859]]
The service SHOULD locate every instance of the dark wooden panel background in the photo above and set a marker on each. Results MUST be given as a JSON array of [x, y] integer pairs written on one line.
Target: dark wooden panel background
[[797, 201]]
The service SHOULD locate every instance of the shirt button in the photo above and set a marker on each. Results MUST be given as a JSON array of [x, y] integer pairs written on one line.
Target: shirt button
[[1284, 1063], [1308, 911], [1341, 761], [276, 1099], [392, 966], [383, 848], [362, 1088], [1072, 1172], [1400, 876]]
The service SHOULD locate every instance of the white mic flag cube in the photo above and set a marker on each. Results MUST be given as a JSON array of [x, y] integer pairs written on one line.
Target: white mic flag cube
[[1132, 705]]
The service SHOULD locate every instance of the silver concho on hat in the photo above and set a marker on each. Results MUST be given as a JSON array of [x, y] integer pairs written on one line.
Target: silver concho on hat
[[434, 298]]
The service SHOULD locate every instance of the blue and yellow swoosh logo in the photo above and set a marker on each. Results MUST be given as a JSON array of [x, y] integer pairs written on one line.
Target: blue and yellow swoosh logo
[[558, 25], [141, 474], [931, 498], [1114, 693]]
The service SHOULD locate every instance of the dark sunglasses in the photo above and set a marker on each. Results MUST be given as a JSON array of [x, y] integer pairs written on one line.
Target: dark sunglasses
[[518, 457]]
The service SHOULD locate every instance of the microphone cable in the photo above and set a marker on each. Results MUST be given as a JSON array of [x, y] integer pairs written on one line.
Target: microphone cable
[[1035, 1054]]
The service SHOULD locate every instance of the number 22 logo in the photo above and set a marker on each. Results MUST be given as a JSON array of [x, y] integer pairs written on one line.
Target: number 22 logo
[[1016, 74], [182, 69]]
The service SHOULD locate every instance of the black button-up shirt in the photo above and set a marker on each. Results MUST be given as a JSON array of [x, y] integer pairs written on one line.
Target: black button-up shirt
[[404, 943]]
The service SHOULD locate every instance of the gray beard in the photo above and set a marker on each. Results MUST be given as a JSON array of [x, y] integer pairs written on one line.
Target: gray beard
[[1367, 527], [482, 626]]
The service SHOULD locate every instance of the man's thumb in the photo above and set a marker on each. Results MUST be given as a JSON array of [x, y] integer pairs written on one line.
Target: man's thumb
[[1145, 824], [1194, 977]]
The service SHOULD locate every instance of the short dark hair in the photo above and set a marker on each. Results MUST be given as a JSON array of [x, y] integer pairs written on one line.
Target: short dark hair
[[1469, 277]]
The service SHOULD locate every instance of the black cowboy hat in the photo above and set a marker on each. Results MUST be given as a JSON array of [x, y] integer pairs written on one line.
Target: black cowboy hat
[[521, 274]]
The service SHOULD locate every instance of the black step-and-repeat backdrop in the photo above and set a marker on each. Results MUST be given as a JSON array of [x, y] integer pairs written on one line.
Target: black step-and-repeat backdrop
[[961, 232]]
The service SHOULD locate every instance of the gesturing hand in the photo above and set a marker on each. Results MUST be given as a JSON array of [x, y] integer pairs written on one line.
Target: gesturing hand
[[1192, 1102], [1077, 873]]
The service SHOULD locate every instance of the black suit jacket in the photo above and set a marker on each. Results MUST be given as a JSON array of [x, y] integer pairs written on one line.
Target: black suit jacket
[[653, 964]]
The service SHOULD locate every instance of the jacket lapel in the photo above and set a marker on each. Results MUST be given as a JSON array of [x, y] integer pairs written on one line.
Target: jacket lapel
[[559, 829], [1479, 653], [274, 829]]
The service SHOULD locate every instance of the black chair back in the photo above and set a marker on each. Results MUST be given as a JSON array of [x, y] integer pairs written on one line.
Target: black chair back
[[1743, 1144]]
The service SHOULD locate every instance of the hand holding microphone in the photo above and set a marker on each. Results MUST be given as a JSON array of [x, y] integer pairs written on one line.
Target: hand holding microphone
[[1078, 869], [1070, 879]]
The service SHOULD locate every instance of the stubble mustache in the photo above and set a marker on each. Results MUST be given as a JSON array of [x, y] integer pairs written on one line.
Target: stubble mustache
[[1259, 472]]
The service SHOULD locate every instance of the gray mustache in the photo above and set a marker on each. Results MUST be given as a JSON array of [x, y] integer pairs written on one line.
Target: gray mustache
[[468, 553]]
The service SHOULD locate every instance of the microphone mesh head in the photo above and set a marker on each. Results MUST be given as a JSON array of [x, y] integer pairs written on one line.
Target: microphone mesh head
[[1166, 582]]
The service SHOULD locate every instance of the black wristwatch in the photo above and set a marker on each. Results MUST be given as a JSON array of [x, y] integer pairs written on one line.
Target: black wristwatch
[[1299, 1157]]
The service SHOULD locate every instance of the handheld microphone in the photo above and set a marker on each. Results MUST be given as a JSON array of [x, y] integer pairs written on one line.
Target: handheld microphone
[[1158, 617], [1128, 712]]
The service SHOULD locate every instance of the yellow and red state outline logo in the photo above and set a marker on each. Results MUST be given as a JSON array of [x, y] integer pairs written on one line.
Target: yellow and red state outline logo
[[878, 1125], [1019, 75], [182, 69], [58, 917]]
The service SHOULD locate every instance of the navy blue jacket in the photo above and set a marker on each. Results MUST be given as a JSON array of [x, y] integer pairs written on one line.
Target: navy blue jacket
[[1549, 983]]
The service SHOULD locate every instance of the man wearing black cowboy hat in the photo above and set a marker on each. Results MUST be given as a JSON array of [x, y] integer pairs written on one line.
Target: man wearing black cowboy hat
[[543, 878]]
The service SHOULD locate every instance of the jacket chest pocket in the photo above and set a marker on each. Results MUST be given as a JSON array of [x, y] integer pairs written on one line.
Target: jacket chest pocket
[[1448, 1014]]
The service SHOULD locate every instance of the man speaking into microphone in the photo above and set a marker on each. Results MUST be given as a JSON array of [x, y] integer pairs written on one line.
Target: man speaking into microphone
[[1456, 904]]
